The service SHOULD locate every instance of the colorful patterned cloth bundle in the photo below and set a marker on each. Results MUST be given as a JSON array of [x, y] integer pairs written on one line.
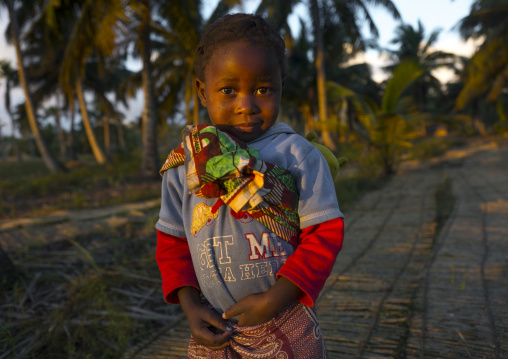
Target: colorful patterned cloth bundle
[[220, 166]]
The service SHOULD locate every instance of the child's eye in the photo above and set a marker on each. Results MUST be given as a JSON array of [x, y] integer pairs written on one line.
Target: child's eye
[[262, 91], [227, 90]]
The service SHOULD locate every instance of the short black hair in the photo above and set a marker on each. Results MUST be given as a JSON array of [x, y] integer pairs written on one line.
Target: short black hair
[[234, 27]]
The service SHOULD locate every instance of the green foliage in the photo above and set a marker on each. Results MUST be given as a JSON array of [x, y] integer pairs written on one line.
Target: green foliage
[[359, 176], [486, 73], [430, 147], [80, 187], [388, 128], [350, 189], [403, 75], [31, 178]]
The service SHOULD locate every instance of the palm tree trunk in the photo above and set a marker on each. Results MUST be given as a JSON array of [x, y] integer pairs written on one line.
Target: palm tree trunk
[[150, 155], [14, 141], [99, 155], [319, 63], [344, 121], [61, 139], [71, 144], [107, 139], [119, 132], [49, 160], [2, 152]]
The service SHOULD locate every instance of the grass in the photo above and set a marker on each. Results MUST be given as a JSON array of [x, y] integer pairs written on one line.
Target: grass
[[31, 178], [86, 297], [29, 187], [361, 174], [430, 147]]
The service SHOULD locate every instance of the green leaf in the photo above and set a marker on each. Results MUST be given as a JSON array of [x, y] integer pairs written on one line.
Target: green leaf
[[403, 75]]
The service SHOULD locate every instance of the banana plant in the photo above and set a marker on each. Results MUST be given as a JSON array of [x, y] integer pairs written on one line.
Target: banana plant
[[388, 127]]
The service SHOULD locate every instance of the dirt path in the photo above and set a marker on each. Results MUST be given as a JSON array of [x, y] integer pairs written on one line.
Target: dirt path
[[463, 300], [398, 290]]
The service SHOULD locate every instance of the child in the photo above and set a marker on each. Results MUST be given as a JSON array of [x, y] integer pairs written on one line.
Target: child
[[249, 226]]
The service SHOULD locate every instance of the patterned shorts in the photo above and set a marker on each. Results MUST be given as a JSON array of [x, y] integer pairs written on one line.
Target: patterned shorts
[[292, 334]]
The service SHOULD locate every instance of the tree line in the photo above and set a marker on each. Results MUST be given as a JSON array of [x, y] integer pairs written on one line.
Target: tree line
[[68, 50]]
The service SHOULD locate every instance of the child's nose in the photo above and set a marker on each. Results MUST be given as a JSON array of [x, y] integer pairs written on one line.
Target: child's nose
[[247, 105]]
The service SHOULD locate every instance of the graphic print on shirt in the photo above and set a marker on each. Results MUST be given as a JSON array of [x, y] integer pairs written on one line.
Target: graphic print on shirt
[[202, 215], [217, 267], [244, 217], [268, 246]]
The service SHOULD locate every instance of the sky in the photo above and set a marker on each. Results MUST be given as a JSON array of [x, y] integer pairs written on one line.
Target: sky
[[434, 14]]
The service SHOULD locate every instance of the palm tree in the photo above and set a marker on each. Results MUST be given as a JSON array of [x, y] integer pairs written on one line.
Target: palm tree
[[412, 46], [174, 66], [50, 161], [2, 150], [388, 127], [277, 13], [53, 54], [319, 63], [342, 16], [171, 29], [54, 112], [94, 33], [486, 74], [10, 76], [299, 100]]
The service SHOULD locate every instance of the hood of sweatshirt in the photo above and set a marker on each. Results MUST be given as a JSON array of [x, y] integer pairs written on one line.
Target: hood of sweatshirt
[[276, 129]]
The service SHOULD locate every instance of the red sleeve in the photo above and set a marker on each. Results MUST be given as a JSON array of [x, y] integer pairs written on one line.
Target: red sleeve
[[312, 262], [175, 264]]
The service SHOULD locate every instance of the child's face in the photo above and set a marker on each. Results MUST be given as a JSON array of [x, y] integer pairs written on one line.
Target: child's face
[[242, 89]]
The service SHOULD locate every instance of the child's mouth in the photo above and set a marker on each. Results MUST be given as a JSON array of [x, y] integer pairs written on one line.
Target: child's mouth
[[248, 127]]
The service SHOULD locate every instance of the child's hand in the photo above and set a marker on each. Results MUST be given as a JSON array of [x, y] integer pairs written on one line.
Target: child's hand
[[254, 309], [257, 309], [203, 321]]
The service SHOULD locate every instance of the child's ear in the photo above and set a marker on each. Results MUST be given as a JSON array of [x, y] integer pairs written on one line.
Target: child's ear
[[200, 87]]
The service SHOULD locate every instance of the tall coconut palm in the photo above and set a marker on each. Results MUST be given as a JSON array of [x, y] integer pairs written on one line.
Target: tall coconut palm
[[343, 16], [277, 13], [487, 72], [54, 112], [94, 33], [10, 76], [174, 65], [149, 150], [299, 98], [48, 42], [50, 161], [414, 46], [2, 149], [319, 62]]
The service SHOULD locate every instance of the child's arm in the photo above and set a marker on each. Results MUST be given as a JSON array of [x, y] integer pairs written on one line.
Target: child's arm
[[175, 264], [180, 285], [312, 262], [302, 276]]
